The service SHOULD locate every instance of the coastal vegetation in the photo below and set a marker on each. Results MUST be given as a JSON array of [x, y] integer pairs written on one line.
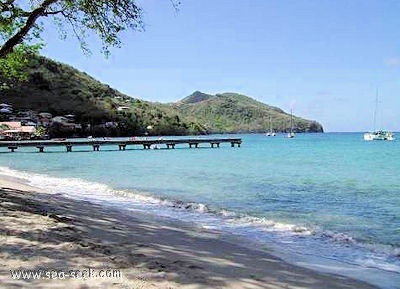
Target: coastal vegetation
[[59, 89], [233, 112]]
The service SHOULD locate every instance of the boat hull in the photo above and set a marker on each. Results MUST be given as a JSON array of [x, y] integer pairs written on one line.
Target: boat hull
[[378, 135], [291, 135]]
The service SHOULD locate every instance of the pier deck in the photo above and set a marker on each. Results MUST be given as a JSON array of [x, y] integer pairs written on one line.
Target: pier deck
[[122, 144]]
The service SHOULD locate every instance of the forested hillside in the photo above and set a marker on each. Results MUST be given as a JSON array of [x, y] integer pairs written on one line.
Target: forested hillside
[[232, 112], [61, 89]]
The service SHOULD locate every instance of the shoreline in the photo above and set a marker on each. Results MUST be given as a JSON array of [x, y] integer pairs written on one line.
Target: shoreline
[[50, 232]]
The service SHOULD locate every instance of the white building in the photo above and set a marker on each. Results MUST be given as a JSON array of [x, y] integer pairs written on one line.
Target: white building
[[121, 108]]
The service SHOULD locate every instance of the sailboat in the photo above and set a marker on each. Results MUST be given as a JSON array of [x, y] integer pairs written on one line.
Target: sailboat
[[378, 134], [291, 133], [271, 132]]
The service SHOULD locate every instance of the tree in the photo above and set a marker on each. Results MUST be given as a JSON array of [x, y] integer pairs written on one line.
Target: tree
[[21, 30], [40, 131]]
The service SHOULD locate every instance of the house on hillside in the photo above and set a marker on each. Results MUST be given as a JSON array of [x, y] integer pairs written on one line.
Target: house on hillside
[[59, 119], [44, 119], [15, 130], [5, 111], [28, 114], [66, 121], [5, 108], [111, 124], [5, 105], [122, 108], [45, 115], [70, 117]]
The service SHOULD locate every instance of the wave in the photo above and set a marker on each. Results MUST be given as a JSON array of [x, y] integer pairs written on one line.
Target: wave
[[295, 237], [83, 188]]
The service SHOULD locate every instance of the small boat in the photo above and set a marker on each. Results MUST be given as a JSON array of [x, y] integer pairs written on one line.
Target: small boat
[[270, 132], [378, 134], [291, 133]]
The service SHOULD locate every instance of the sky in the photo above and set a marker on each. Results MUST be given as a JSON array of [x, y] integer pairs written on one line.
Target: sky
[[324, 59]]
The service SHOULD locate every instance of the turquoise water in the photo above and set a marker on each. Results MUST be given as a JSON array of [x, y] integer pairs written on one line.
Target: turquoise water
[[329, 196]]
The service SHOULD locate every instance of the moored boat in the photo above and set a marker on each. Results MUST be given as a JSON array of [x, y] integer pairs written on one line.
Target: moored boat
[[271, 132], [378, 134], [291, 133]]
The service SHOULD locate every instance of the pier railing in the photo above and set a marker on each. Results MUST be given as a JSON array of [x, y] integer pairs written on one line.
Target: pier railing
[[122, 144]]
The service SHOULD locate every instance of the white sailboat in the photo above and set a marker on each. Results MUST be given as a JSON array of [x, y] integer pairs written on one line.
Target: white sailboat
[[378, 134], [291, 133], [270, 132]]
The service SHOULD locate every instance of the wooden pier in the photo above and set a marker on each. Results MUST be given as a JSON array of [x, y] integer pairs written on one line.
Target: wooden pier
[[122, 144]]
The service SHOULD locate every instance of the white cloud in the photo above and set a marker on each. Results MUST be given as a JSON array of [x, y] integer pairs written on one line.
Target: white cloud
[[393, 62]]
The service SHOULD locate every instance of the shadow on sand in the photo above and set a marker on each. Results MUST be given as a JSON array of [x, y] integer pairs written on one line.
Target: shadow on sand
[[80, 234]]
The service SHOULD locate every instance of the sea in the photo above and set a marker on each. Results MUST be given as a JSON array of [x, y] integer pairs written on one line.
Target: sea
[[330, 201]]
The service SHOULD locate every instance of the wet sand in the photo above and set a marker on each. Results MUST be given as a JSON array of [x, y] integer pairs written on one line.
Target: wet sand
[[49, 232]]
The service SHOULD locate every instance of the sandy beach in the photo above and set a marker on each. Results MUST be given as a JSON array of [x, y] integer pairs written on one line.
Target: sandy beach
[[50, 233]]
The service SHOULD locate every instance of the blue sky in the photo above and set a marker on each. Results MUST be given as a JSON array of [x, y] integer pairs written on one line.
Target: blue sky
[[324, 59]]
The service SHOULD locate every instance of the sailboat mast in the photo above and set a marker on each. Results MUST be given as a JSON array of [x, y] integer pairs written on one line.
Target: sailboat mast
[[270, 124], [291, 121], [376, 109]]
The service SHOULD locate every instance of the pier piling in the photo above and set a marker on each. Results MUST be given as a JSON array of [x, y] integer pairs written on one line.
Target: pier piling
[[235, 143], [195, 144], [12, 148]]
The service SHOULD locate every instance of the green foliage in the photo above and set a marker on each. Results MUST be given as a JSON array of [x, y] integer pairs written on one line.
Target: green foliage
[[196, 96], [40, 131], [19, 20], [13, 66], [232, 112], [4, 127]]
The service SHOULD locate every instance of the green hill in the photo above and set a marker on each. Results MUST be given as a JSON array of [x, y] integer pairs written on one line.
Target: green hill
[[232, 112], [61, 89], [195, 97]]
